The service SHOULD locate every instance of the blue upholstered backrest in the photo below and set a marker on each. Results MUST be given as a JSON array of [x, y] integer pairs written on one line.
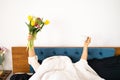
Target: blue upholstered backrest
[[73, 52]]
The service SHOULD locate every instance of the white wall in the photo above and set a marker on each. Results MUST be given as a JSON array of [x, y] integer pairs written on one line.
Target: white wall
[[71, 22]]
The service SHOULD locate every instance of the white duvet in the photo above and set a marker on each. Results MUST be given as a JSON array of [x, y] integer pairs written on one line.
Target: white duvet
[[62, 68]]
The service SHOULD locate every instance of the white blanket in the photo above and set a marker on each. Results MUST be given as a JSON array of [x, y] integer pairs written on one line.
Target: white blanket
[[62, 68]]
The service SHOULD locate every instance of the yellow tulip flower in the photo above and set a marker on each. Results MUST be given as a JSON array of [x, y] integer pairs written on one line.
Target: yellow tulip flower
[[30, 18], [33, 23], [46, 22]]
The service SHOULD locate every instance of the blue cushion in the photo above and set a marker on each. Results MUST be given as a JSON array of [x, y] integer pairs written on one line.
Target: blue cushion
[[73, 53]]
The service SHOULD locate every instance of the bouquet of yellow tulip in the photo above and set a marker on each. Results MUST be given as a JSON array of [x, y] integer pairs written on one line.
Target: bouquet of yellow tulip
[[35, 25]]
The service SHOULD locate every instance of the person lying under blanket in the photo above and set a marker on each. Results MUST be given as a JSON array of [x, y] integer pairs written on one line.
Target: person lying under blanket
[[61, 67]]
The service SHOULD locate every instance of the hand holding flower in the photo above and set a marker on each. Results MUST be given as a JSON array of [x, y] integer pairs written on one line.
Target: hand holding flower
[[35, 25], [30, 37]]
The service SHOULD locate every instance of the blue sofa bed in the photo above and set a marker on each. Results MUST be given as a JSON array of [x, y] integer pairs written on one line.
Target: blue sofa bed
[[102, 60]]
